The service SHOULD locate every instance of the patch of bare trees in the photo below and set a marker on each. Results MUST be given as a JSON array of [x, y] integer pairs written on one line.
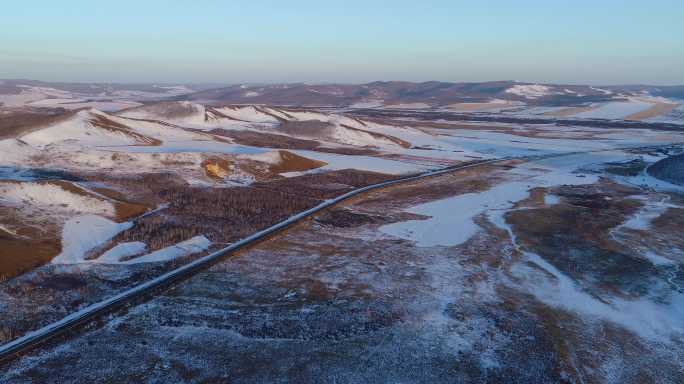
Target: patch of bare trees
[[229, 214]]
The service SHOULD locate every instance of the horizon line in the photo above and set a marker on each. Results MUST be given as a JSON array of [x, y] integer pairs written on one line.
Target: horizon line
[[218, 83]]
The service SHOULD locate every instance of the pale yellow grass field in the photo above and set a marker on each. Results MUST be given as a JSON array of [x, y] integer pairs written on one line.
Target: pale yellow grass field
[[658, 109], [566, 112], [475, 107]]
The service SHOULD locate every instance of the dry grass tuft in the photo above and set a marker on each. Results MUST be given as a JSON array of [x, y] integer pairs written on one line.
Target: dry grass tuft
[[656, 110], [294, 163], [216, 168]]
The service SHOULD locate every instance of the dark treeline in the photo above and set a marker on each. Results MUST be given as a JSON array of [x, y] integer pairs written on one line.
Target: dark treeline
[[229, 214], [670, 169], [15, 124]]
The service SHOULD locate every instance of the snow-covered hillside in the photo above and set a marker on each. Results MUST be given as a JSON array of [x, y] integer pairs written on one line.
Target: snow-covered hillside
[[87, 162]]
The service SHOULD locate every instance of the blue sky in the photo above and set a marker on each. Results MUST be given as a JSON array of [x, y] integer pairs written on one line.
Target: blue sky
[[580, 41]]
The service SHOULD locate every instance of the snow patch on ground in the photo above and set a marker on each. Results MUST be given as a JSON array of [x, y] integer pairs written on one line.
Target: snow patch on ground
[[645, 318], [293, 174], [615, 110], [121, 251], [451, 219], [646, 181], [550, 199], [657, 260], [83, 233], [71, 104], [185, 248], [78, 129], [368, 104], [15, 152], [408, 106], [42, 196], [31, 94], [604, 91], [650, 211], [363, 163], [530, 91], [126, 250], [273, 157], [360, 139], [506, 144], [189, 147], [248, 113]]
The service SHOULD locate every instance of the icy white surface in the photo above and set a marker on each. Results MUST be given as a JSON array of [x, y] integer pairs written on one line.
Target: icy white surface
[[644, 180], [643, 317], [604, 91], [657, 260], [293, 174], [615, 110], [31, 94], [358, 138], [188, 247], [368, 104], [364, 163], [651, 210], [126, 250], [506, 144], [77, 129], [450, 220], [550, 199], [15, 152], [82, 130], [272, 157], [83, 233], [71, 104], [36, 96], [530, 91], [42, 196], [121, 251]]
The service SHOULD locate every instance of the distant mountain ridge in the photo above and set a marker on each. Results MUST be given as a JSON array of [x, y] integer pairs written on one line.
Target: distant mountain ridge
[[491, 96], [432, 94]]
